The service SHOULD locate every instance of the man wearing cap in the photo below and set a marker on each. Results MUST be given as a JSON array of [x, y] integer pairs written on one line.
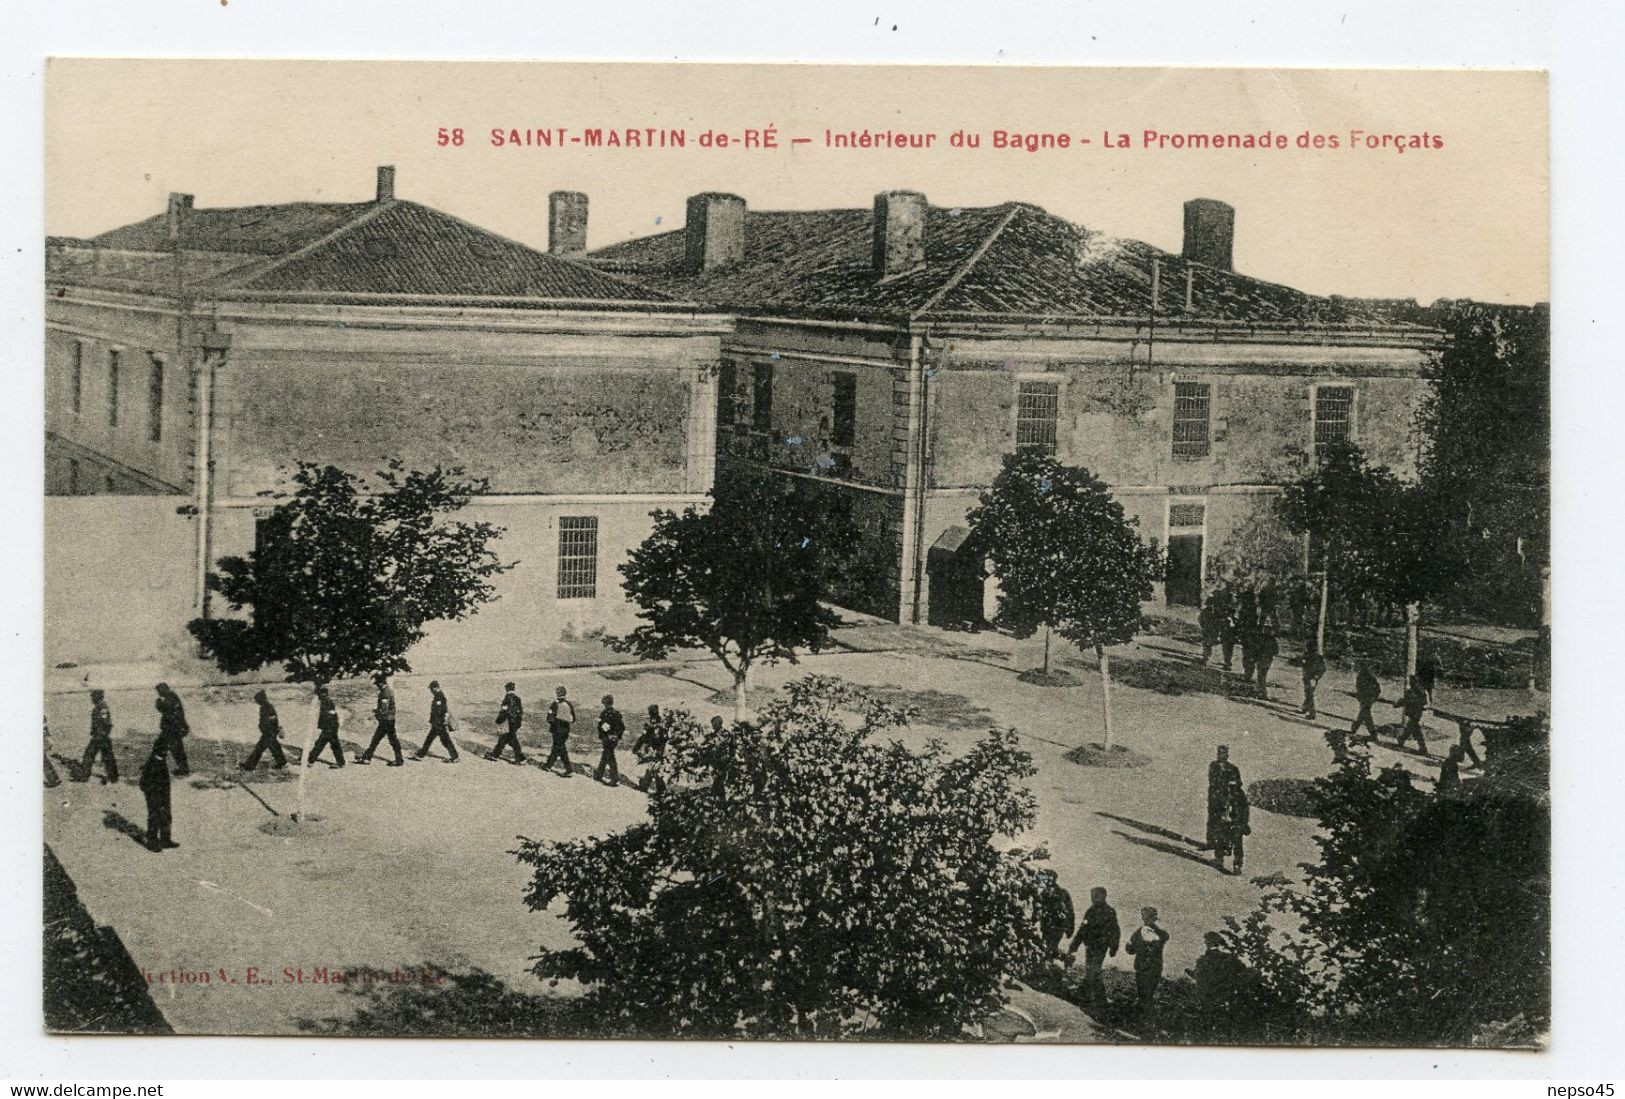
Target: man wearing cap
[[1221, 773], [172, 728], [439, 723], [384, 712], [611, 727], [512, 714], [270, 730], [327, 728], [560, 716], [101, 741]]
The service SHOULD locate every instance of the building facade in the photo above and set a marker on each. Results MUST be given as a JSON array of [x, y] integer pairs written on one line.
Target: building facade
[[194, 359], [894, 356]]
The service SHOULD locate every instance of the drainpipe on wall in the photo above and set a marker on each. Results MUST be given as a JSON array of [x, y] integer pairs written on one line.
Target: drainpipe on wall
[[212, 348], [918, 349]]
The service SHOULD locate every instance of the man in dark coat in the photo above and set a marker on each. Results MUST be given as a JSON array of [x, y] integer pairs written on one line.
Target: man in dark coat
[[101, 741], [1413, 705], [155, 788], [1314, 667], [172, 728], [611, 728], [383, 712], [511, 714], [1146, 946], [327, 727], [1100, 935], [1247, 630], [1265, 648], [270, 730], [1222, 985], [1465, 728], [1209, 619], [1427, 672], [1228, 631], [561, 714], [1056, 917], [1367, 692], [1227, 828], [1221, 775], [650, 750], [439, 724]]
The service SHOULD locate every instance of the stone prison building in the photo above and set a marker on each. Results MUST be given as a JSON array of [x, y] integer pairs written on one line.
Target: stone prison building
[[890, 355]]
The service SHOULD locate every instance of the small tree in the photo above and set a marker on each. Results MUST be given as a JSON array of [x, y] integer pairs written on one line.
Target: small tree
[[343, 580], [744, 579], [799, 878], [1066, 557]]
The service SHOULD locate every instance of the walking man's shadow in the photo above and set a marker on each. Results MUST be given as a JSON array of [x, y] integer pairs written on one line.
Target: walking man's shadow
[[120, 823], [1183, 846]]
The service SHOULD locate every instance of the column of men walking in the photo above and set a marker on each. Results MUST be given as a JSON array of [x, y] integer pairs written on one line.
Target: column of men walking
[[173, 730]]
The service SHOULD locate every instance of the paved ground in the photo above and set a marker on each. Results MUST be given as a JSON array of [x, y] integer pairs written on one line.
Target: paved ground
[[402, 868]]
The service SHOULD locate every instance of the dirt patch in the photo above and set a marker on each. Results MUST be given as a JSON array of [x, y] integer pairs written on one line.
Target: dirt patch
[[1052, 678], [939, 709], [1117, 756], [1290, 797]]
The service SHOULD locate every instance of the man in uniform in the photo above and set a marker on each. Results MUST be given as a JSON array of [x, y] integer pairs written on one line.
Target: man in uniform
[[1209, 620], [101, 741], [1227, 828], [1221, 774], [327, 727], [1056, 916], [384, 712], [270, 730], [650, 749], [560, 716], [1314, 667], [1265, 648], [512, 714], [611, 728], [1228, 632], [1247, 630], [1146, 946], [172, 728], [155, 788], [439, 723], [1413, 705], [1367, 692], [1100, 935]]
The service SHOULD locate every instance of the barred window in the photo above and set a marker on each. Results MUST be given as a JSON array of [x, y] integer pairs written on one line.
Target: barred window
[[761, 409], [78, 381], [578, 557], [1334, 416], [1192, 403], [155, 398], [1186, 515], [727, 392], [1038, 405], [112, 388], [845, 428]]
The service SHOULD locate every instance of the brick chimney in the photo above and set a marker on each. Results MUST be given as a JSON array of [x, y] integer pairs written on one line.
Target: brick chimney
[[899, 233], [715, 231], [179, 206], [567, 223], [386, 183], [1210, 229]]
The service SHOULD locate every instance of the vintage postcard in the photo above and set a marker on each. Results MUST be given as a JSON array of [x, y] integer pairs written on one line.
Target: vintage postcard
[[797, 552]]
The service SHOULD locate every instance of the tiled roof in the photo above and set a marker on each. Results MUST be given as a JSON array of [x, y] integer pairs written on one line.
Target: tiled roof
[[394, 248], [1009, 261]]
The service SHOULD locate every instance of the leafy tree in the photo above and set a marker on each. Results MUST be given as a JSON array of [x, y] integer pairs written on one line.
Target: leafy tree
[[798, 877], [1426, 920], [745, 579], [343, 579], [1066, 557]]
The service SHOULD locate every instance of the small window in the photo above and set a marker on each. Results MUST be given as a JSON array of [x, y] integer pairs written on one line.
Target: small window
[[77, 381], [1334, 416], [112, 388], [727, 392], [578, 557], [844, 431], [1191, 420], [155, 398], [1038, 405], [761, 409]]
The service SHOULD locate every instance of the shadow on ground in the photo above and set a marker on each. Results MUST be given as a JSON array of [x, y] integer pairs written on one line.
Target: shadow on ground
[[938, 709], [91, 983], [422, 1001]]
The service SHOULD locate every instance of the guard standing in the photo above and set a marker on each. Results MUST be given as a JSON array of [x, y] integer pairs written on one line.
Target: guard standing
[[1221, 775], [511, 713], [1314, 667], [384, 712], [327, 728], [270, 730], [155, 788], [560, 716], [172, 728], [611, 728], [439, 724], [101, 741], [1233, 822]]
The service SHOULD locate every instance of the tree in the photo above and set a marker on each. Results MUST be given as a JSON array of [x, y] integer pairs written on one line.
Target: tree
[[1426, 920], [343, 579], [798, 877], [1066, 557], [744, 579]]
